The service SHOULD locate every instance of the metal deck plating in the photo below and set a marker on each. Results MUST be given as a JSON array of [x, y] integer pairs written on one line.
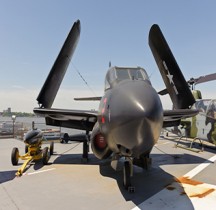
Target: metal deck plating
[[177, 179]]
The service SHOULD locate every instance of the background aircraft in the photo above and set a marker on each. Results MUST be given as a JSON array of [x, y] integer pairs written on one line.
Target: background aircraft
[[203, 125], [130, 115]]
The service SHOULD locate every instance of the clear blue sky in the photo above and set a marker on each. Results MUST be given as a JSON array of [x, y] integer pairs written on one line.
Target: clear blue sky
[[32, 33]]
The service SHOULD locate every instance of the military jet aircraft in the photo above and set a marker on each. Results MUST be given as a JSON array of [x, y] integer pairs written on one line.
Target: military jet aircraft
[[130, 115], [203, 125]]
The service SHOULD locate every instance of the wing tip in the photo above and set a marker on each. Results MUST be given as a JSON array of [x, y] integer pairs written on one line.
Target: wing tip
[[78, 24]]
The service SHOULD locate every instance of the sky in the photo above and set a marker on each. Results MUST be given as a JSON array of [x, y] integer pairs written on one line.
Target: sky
[[33, 32]]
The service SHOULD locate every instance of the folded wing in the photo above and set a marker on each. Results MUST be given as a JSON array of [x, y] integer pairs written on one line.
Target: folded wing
[[56, 75], [78, 119], [174, 80]]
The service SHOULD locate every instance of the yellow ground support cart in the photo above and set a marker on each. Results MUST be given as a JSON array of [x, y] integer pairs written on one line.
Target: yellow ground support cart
[[33, 141]]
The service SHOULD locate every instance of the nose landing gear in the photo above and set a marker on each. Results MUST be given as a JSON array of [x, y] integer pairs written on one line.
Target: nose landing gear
[[127, 168], [144, 161], [127, 174]]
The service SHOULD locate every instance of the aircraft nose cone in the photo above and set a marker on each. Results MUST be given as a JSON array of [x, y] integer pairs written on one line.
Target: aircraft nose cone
[[134, 100], [135, 115]]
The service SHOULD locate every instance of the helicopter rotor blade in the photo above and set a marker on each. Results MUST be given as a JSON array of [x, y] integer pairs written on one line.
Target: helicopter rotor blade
[[206, 78]]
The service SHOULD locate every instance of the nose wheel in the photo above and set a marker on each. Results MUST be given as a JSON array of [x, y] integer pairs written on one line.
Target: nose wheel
[[127, 173]]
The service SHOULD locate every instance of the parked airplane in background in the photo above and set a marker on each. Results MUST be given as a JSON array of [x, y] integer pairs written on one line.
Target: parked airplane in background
[[130, 116], [203, 125]]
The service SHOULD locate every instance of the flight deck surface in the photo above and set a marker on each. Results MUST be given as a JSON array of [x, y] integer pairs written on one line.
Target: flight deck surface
[[177, 179]]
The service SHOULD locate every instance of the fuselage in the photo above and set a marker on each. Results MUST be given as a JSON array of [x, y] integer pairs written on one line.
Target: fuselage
[[130, 112]]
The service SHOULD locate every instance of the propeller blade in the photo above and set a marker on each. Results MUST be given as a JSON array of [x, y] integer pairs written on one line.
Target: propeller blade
[[57, 72]]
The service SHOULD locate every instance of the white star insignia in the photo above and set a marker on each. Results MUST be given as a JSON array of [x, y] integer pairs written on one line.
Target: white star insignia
[[170, 77]]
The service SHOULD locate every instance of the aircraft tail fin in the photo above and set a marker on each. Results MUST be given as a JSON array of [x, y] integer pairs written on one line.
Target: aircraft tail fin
[[174, 80], [57, 72]]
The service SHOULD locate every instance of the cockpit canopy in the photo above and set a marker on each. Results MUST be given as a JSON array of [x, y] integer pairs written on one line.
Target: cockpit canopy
[[118, 74]]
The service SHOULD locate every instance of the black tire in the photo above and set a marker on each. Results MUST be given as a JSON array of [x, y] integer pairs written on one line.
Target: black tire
[[66, 138], [126, 173], [51, 148], [46, 156], [15, 156], [26, 148]]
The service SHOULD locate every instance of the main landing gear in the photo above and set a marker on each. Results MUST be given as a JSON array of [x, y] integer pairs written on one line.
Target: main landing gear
[[85, 148], [144, 161], [83, 138]]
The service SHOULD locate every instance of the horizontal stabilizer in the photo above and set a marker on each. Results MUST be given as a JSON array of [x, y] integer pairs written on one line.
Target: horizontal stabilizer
[[163, 92], [88, 99], [174, 80], [56, 75]]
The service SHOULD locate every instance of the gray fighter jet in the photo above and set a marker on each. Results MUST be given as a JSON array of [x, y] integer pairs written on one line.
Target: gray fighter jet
[[130, 115]]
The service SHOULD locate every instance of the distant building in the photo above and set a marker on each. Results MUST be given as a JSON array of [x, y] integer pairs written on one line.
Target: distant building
[[8, 111]]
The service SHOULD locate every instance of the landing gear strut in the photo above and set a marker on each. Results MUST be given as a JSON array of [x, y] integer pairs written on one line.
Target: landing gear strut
[[144, 161], [127, 173], [85, 148]]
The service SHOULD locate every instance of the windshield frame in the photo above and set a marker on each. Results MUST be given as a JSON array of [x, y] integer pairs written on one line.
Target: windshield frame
[[114, 77]]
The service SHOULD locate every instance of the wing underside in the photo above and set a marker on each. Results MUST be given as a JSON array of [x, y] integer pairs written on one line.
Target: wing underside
[[76, 119], [85, 119], [173, 117]]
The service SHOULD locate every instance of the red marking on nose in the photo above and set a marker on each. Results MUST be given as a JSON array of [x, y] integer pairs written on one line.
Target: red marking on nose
[[103, 120]]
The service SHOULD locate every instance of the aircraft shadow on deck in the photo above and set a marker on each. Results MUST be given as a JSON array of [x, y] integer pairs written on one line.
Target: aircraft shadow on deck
[[147, 182], [6, 176]]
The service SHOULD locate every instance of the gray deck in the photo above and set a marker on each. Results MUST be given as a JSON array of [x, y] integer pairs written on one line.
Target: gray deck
[[67, 183]]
